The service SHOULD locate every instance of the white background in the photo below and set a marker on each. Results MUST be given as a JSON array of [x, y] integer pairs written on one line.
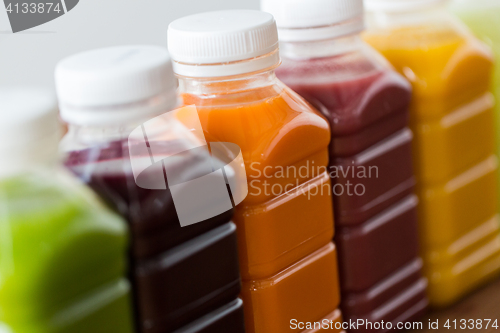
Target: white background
[[28, 58]]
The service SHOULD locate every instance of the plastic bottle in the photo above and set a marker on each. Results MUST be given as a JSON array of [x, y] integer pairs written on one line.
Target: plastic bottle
[[366, 103], [453, 121], [129, 148], [62, 252], [225, 63]]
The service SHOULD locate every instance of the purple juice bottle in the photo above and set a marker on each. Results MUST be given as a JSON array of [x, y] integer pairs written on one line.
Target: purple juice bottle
[[185, 275], [366, 103]]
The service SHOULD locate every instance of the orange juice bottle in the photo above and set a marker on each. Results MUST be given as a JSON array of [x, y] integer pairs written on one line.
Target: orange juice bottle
[[225, 63], [453, 122]]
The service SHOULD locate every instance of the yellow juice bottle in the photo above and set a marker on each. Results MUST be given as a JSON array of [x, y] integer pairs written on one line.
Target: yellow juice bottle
[[454, 148]]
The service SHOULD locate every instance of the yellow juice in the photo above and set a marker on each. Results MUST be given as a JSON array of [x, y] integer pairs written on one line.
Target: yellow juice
[[454, 150]]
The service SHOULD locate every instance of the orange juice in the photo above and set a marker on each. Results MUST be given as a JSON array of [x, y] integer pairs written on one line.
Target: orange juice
[[454, 150], [285, 223], [275, 130]]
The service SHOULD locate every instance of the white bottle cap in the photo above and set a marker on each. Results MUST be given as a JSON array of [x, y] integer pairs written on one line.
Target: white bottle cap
[[399, 5], [115, 85], [217, 43], [310, 20], [29, 129]]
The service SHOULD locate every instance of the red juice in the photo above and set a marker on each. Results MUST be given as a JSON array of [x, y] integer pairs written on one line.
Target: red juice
[[366, 104]]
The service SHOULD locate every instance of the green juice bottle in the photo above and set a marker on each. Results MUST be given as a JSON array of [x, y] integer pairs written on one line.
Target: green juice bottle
[[62, 253], [483, 18]]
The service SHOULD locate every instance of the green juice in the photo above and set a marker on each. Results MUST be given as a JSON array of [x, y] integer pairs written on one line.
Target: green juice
[[62, 259], [483, 18]]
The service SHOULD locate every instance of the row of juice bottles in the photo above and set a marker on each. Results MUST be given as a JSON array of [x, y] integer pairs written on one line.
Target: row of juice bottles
[[401, 156]]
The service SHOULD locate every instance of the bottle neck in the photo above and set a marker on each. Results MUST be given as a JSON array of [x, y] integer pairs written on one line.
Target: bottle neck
[[227, 85], [119, 113], [82, 137], [93, 134], [321, 48], [114, 123], [431, 12], [200, 68]]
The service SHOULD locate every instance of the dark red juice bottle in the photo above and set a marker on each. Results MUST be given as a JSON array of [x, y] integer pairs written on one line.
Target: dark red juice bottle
[[180, 274], [366, 103]]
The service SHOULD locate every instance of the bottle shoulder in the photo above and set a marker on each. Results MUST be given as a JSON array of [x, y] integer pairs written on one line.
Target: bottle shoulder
[[437, 60], [357, 64], [368, 90], [272, 125], [265, 108]]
